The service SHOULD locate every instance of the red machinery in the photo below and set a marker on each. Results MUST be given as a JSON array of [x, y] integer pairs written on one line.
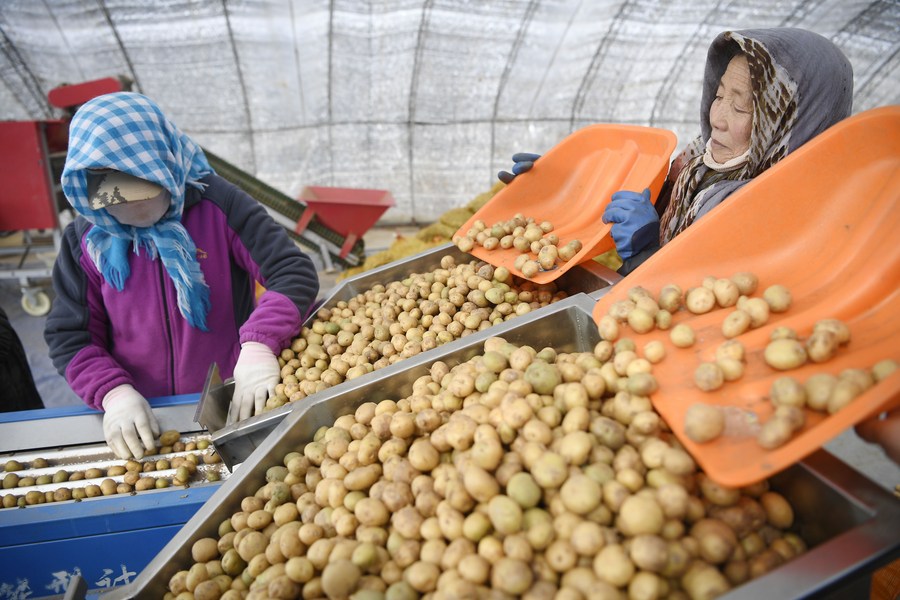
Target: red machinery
[[351, 212]]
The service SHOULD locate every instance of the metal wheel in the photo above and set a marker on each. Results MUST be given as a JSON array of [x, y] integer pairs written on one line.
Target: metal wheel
[[36, 304]]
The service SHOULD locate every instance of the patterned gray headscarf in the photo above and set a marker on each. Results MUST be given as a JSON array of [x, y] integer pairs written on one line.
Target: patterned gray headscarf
[[802, 85]]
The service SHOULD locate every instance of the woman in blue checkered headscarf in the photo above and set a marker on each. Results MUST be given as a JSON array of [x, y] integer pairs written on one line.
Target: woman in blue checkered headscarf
[[156, 151], [156, 277]]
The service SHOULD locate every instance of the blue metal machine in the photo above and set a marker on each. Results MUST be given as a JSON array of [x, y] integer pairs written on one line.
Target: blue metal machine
[[105, 540]]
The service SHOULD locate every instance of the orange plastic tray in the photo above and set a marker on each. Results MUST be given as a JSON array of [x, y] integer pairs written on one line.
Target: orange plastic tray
[[825, 222], [571, 185]]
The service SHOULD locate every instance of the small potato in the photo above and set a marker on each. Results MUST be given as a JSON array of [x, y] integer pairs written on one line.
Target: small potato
[[733, 349], [778, 298], [704, 422], [787, 391], [736, 323], [835, 326], [843, 393], [640, 515], [746, 282], [779, 512], [819, 388], [700, 300], [654, 351], [670, 298], [732, 369], [774, 433], [608, 328], [794, 415], [709, 376], [785, 354], [821, 346], [205, 550], [340, 578], [883, 369], [726, 292], [783, 333], [758, 309], [640, 320], [682, 335], [169, 437]]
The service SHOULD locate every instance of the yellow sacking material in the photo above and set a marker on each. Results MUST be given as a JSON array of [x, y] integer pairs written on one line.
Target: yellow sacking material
[[455, 217]]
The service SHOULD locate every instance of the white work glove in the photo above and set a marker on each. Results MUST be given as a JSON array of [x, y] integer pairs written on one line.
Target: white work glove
[[128, 421], [255, 376]]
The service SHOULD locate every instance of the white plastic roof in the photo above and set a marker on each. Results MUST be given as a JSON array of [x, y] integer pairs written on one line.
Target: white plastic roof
[[425, 98]]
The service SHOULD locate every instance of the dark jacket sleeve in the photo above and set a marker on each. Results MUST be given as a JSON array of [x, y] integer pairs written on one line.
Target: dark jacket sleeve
[[66, 330], [263, 249]]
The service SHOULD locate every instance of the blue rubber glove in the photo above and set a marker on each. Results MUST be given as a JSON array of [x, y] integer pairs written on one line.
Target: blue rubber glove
[[523, 162], [635, 222]]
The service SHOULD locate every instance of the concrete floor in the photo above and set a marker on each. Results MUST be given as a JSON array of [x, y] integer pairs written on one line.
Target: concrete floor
[[868, 459]]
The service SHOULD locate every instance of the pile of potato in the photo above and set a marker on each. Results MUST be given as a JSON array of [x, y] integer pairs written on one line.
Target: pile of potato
[[539, 247], [401, 319], [642, 311], [126, 478], [519, 473]]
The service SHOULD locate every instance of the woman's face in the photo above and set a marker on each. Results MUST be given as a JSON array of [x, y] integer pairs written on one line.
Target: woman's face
[[731, 113], [141, 213]]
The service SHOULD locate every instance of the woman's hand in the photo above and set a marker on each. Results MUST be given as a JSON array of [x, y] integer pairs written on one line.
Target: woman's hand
[[635, 222], [129, 425], [884, 430], [523, 161], [255, 376]]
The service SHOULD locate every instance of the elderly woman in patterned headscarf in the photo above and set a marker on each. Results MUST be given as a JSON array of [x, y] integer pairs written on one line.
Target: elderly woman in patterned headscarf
[[766, 92]]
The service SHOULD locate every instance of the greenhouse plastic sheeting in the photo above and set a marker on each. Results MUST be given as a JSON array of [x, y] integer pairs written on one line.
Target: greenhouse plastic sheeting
[[425, 98]]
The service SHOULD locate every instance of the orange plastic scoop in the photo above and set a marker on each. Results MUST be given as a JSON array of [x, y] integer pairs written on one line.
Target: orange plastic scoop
[[571, 185], [825, 223]]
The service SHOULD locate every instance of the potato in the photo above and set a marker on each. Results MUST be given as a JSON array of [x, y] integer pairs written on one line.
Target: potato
[[703, 581], [746, 282], [700, 300], [726, 292], [205, 550], [704, 422], [883, 369], [654, 351], [340, 578], [785, 354], [670, 298], [821, 346], [731, 349], [682, 335], [709, 376], [758, 309], [169, 437], [732, 369], [640, 514], [612, 565], [640, 320], [777, 297], [835, 326], [788, 391], [774, 433], [735, 323], [819, 388], [778, 510], [717, 542]]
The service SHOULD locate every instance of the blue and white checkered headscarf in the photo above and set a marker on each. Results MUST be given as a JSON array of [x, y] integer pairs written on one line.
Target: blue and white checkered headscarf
[[129, 133]]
